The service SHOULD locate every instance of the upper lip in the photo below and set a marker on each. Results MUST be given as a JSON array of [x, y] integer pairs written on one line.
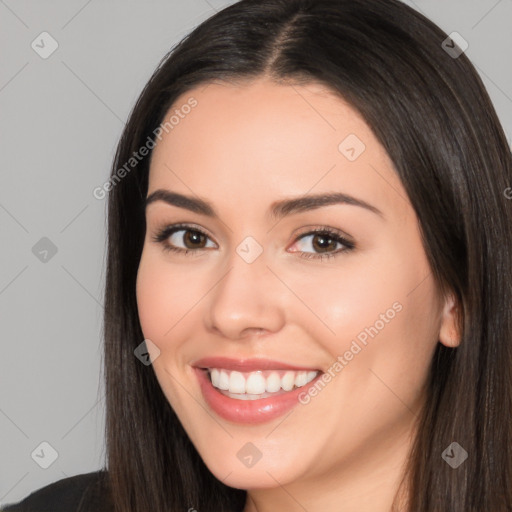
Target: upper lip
[[247, 365]]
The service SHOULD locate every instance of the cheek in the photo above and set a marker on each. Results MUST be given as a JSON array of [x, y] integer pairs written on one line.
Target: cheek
[[386, 301], [169, 299], [339, 303], [151, 295], [161, 297]]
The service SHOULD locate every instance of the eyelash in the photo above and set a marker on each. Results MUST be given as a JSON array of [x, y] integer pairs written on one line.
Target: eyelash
[[162, 236]]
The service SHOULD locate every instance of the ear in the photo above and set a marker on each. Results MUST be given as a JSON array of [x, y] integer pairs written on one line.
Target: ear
[[449, 332]]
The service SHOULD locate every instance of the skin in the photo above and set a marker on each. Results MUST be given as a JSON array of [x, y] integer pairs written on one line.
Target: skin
[[241, 148]]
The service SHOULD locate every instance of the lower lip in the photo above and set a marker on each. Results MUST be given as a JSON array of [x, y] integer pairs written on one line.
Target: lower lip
[[249, 411]]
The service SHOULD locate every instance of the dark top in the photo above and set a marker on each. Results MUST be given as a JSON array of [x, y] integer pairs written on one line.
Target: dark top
[[80, 493]]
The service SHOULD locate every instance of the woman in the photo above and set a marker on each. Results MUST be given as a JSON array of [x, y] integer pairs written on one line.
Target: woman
[[309, 266]]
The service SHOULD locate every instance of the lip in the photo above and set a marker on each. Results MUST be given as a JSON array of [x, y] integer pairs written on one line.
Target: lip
[[247, 365], [249, 411]]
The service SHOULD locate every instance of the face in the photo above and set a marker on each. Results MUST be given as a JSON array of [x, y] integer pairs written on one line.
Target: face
[[340, 288]]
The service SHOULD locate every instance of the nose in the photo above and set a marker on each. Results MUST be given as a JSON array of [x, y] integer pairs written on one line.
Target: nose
[[248, 300]]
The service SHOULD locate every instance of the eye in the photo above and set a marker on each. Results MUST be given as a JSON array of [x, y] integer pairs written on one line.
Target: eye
[[193, 238], [324, 240]]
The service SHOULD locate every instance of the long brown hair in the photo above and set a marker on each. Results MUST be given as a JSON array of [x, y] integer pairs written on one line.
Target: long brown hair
[[432, 114]]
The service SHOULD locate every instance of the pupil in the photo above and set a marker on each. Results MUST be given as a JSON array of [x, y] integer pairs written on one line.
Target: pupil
[[195, 236], [323, 239]]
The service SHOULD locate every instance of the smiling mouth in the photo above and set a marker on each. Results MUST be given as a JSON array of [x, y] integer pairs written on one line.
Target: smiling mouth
[[258, 384]]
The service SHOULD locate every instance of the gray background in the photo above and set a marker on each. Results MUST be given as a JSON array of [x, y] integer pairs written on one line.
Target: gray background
[[60, 121]]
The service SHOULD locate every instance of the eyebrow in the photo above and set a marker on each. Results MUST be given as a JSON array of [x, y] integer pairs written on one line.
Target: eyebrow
[[278, 209]]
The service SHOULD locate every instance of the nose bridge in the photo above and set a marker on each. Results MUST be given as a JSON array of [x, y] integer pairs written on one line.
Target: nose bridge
[[246, 297]]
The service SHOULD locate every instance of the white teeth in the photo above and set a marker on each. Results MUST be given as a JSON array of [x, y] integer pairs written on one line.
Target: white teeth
[[220, 379], [256, 383], [302, 379], [288, 381], [214, 375], [273, 382], [223, 381], [310, 376], [236, 383]]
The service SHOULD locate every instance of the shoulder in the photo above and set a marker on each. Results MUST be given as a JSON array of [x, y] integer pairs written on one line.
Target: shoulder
[[86, 492]]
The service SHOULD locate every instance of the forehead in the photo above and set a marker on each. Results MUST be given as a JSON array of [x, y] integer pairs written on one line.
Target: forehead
[[261, 141]]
